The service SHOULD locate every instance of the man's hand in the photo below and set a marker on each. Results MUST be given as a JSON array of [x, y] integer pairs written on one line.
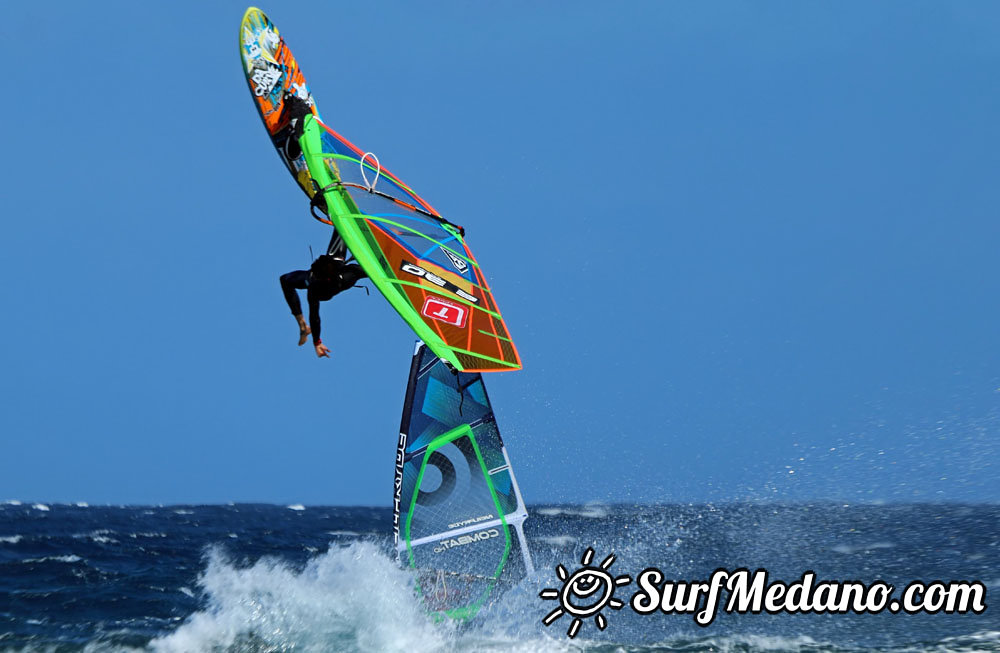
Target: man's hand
[[322, 351], [304, 329]]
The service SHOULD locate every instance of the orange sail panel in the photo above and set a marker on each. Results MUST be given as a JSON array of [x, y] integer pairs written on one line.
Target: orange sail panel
[[416, 258]]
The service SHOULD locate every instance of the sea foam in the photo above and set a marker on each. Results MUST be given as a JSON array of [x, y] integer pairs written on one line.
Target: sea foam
[[339, 601]]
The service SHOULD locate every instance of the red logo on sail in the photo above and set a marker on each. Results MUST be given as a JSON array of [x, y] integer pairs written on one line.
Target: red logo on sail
[[446, 312]]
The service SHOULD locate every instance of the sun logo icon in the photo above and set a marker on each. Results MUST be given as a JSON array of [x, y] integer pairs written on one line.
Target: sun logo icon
[[585, 593]]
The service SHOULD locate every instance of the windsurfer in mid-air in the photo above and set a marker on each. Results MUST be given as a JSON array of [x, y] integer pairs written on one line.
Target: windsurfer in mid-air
[[329, 275]]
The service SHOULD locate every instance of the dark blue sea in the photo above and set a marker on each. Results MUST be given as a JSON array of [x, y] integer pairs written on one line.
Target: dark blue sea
[[250, 577]]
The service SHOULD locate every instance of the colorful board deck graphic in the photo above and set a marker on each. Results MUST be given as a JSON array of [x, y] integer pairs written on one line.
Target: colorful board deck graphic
[[458, 512], [272, 72]]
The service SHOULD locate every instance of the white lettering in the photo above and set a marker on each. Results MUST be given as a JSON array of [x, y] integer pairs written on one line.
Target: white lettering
[[462, 540], [647, 600]]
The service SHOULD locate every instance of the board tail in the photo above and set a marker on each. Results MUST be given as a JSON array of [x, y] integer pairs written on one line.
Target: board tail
[[458, 511]]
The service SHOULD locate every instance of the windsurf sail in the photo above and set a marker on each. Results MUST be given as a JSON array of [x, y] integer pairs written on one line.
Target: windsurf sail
[[416, 258], [458, 512]]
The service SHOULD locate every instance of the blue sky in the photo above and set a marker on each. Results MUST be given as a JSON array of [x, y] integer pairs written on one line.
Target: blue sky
[[748, 251]]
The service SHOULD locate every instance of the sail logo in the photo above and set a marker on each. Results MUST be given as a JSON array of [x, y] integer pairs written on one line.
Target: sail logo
[[446, 312], [398, 486], [456, 260], [418, 271], [474, 520], [462, 540]]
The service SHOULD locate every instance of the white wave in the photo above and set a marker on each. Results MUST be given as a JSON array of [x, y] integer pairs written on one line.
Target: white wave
[[296, 506], [338, 602], [187, 591], [100, 536], [983, 636], [558, 540], [12, 502], [983, 640], [67, 558], [549, 512], [351, 598], [82, 504], [758, 643], [41, 506], [343, 533], [11, 539], [182, 511], [594, 511], [861, 548]]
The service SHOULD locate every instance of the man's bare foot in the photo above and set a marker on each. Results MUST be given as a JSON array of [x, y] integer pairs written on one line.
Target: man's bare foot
[[304, 329]]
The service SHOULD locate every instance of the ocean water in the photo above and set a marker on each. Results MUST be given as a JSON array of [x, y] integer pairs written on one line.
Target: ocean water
[[293, 578]]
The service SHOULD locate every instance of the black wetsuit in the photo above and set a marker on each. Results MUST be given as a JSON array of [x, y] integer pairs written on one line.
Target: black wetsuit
[[320, 289]]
